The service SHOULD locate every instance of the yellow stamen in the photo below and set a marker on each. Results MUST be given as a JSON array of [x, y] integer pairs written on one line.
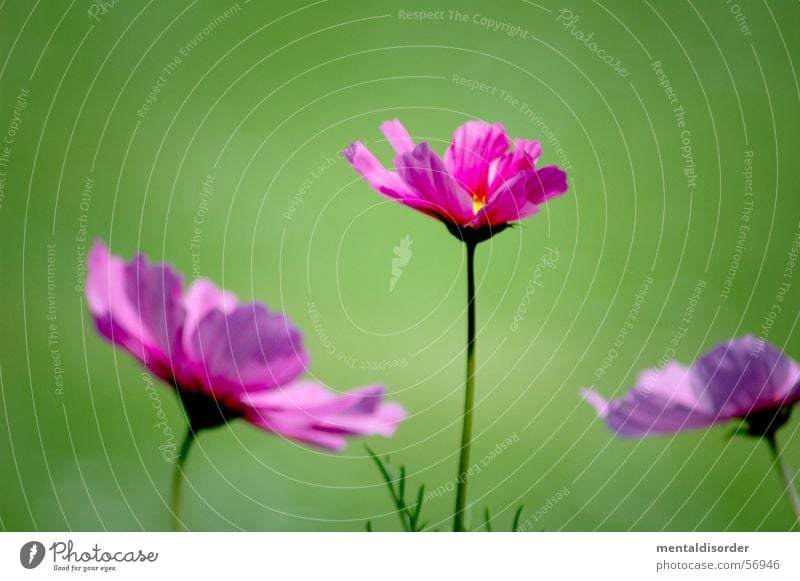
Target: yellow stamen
[[477, 204]]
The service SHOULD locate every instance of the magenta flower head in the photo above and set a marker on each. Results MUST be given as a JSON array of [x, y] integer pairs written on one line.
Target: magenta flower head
[[480, 187], [744, 379], [476, 190], [226, 360]]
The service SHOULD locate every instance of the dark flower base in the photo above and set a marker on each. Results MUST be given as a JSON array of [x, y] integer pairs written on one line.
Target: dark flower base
[[764, 423], [204, 411], [474, 235]]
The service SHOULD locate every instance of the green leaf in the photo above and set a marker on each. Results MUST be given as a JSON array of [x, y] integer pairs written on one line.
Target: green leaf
[[387, 476], [417, 509], [401, 494], [409, 516], [487, 520], [515, 526]]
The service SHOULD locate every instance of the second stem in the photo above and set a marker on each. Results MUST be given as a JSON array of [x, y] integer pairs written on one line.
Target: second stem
[[177, 480], [786, 475], [469, 395]]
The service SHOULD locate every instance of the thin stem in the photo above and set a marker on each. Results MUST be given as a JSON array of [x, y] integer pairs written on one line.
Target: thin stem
[[786, 474], [177, 480], [469, 395]]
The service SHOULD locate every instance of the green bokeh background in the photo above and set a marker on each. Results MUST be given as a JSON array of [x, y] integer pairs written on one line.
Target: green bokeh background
[[274, 92]]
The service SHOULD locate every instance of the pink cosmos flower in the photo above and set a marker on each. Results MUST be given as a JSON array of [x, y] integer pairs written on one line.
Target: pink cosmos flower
[[745, 378], [479, 187], [226, 360]]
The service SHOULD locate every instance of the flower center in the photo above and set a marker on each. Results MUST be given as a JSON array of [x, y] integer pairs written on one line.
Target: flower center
[[478, 203]]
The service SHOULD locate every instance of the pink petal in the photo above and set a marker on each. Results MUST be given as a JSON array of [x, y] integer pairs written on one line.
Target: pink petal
[[523, 158], [664, 401], [311, 413], [744, 375], [639, 414], [202, 298], [398, 136], [676, 383], [246, 349], [521, 196], [385, 182], [476, 144], [138, 306], [426, 175], [372, 170]]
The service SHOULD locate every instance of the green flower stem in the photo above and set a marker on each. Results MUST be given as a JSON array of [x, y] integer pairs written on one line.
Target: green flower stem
[[786, 474], [177, 480], [469, 395]]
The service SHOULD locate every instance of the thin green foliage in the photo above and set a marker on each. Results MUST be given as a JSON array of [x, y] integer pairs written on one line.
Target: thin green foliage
[[409, 514]]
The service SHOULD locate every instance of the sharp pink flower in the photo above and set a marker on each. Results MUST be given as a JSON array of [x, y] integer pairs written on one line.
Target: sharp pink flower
[[479, 186], [745, 378], [225, 359]]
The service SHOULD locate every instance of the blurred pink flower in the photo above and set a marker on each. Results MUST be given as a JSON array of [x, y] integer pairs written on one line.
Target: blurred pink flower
[[479, 186], [226, 360], [745, 378]]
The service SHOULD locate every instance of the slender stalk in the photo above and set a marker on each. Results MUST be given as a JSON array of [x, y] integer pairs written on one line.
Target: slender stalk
[[785, 473], [469, 395], [177, 479]]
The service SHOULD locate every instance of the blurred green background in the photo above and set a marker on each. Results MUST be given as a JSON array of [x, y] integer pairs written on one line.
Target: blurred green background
[[263, 98]]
